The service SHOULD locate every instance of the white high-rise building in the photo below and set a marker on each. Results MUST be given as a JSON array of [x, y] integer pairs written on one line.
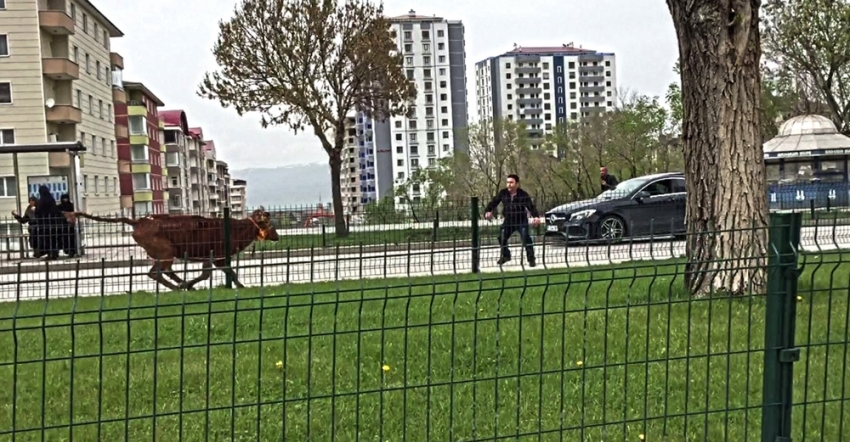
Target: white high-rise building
[[545, 86], [388, 152]]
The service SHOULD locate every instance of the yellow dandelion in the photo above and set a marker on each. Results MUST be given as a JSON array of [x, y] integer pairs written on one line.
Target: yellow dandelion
[[279, 364], [579, 363], [641, 437], [385, 367]]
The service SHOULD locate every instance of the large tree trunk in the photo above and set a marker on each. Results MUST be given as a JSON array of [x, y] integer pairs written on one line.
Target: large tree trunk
[[719, 50], [335, 160]]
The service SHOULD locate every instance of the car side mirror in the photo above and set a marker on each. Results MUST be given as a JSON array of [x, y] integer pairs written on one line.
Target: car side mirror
[[642, 195]]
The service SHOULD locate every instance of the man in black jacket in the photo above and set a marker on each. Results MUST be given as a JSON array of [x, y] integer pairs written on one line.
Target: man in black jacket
[[517, 204]]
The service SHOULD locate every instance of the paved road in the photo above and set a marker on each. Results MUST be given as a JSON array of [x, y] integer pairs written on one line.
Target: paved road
[[268, 272]]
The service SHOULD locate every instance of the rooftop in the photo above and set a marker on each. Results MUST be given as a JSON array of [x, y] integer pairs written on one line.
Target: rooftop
[[113, 30], [141, 87], [803, 134]]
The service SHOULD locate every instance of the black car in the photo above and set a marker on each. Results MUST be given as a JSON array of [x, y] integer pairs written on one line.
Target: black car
[[651, 205]]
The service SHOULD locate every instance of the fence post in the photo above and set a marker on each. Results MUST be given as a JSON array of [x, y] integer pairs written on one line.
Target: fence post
[[476, 237], [780, 320], [228, 280], [434, 237]]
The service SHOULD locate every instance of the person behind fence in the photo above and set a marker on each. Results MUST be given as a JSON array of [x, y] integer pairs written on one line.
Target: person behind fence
[[66, 231], [516, 206], [29, 219], [609, 182], [48, 219]]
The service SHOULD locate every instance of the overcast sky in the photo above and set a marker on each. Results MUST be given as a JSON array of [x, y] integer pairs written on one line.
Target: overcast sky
[[168, 46]]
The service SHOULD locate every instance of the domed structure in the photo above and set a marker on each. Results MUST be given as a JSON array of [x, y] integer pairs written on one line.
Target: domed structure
[[806, 125], [802, 136]]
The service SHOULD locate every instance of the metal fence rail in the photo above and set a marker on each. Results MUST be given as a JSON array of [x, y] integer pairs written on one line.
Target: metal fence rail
[[599, 342]]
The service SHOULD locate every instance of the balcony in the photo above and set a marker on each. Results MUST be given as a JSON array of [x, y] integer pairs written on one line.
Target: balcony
[[56, 22], [590, 57], [527, 58], [591, 69], [527, 70], [121, 131], [591, 89], [528, 90], [60, 69], [591, 78], [139, 139], [116, 59], [591, 109], [64, 114], [528, 80], [136, 108], [118, 95], [525, 101], [532, 111]]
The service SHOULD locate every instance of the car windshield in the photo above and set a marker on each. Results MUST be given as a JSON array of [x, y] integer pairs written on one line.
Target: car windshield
[[623, 189]]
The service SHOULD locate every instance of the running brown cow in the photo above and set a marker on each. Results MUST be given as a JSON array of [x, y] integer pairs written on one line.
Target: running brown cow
[[194, 238]]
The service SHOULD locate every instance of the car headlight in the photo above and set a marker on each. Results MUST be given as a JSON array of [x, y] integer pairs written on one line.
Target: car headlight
[[578, 216]]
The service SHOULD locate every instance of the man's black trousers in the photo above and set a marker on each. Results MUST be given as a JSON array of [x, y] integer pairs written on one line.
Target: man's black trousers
[[524, 231]]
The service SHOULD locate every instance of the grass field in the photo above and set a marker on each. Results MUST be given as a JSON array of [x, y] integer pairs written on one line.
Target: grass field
[[588, 354]]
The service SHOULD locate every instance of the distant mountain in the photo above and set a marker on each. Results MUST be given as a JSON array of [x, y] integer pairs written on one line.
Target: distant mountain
[[289, 186]]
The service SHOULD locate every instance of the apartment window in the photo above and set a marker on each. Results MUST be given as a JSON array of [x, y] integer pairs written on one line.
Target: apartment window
[[426, 47], [445, 134], [88, 64], [441, 46], [109, 112], [96, 30], [105, 39], [139, 153], [79, 99], [141, 181], [426, 34], [7, 136], [97, 64], [431, 150], [94, 144], [4, 45], [409, 60], [112, 148], [76, 55], [115, 185], [427, 73], [5, 93], [96, 185], [440, 33], [443, 84], [85, 23], [74, 11], [399, 149], [408, 48], [8, 187], [137, 125], [100, 109], [408, 35], [426, 60], [85, 184], [107, 75], [83, 139], [103, 146], [442, 72], [91, 105], [410, 74], [442, 59], [445, 147]]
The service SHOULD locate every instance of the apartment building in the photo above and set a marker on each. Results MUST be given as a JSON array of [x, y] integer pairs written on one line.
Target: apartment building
[[382, 154], [140, 154], [176, 139], [56, 85], [238, 198], [545, 86], [219, 184]]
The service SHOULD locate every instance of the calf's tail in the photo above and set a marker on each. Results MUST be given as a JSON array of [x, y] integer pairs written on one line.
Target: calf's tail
[[121, 220]]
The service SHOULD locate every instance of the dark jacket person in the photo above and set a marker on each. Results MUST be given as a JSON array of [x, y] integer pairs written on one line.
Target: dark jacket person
[[48, 217], [67, 233], [516, 206], [609, 182], [29, 218]]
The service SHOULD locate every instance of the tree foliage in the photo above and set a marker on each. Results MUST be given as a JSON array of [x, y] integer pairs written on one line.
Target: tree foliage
[[808, 49], [308, 64]]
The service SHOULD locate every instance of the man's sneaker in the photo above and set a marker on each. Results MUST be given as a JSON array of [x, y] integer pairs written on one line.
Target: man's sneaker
[[532, 263], [502, 260]]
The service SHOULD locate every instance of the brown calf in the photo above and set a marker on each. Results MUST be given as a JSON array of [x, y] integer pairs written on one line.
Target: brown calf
[[193, 238]]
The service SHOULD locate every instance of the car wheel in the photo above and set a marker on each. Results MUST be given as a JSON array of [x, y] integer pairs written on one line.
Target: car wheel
[[612, 228]]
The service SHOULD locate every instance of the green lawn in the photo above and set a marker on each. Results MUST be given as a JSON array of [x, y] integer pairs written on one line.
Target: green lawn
[[612, 351]]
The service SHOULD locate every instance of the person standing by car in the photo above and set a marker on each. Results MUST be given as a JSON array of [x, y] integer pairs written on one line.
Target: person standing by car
[[609, 182], [516, 205]]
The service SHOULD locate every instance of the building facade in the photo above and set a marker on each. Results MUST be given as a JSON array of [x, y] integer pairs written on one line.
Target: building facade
[[56, 85], [378, 155], [238, 198], [545, 86], [176, 141], [140, 154]]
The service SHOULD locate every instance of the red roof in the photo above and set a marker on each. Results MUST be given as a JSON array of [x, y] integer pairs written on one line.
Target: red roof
[[196, 132], [209, 145], [175, 118]]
